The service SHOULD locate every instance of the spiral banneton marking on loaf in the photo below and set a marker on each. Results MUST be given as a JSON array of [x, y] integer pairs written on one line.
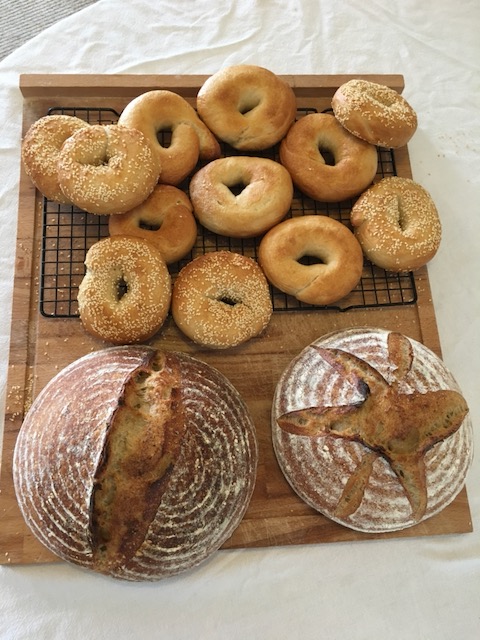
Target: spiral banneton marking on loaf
[[199, 514], [57, 456], [317, 468]]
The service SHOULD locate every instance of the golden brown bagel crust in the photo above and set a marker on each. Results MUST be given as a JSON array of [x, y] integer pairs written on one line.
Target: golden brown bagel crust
[[167, 434], [40, 150], [247, 106], [320, 237], [397, 224], [375, 113], [107, 169], [137, 314], [265, 199], [221, 299], [161, 110], [165, 219], [301, 153]]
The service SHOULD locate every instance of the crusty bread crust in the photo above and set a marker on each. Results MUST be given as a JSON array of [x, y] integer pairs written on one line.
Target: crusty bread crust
[[370, 429], [136, 463]]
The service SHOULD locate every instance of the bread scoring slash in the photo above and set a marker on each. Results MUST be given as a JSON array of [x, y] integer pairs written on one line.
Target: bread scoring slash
[[390, 439]]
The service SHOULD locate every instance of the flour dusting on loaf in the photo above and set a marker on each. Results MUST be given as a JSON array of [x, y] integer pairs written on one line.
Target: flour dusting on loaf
[[136, 463], [332, 468]]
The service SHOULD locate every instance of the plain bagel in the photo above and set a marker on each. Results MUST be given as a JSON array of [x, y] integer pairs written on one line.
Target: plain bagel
[[165, 219], [247, 106], [159, 111], [241, 196], [302, 152], [338, 264]]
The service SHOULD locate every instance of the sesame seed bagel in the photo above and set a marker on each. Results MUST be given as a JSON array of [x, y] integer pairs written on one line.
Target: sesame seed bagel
[[247, 106], [303, 149], [265, 195], [165, 219], [159, 111], [107, 169], [374, 113], [221, 299], [338, 260], [125, 294], [397, 224], [40, 150]]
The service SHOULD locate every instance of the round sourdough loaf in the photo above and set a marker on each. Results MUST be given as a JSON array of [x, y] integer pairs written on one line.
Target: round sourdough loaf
[[135, 463], [370, 429]]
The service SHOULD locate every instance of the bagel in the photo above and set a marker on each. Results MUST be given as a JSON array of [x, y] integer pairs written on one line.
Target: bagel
[[375, 113], [165, 219], [107, 169], [265, 196], [302, 152], [336, 271], [40, 150], [221, 299], [247, 106], [160, 110], [397, 224], [125, 294]]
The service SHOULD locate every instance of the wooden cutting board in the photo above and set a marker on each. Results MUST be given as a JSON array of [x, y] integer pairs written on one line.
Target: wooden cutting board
[[42, 345]]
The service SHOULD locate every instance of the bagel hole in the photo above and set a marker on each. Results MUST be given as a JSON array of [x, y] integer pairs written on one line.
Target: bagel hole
[[237, 188], [149, 226], [307, 260], [327, 156], [248, 105], [227, 300], [164, 137], [122, 288]]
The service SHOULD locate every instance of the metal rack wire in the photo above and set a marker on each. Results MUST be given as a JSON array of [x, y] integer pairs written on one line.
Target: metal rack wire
[[68, 233]]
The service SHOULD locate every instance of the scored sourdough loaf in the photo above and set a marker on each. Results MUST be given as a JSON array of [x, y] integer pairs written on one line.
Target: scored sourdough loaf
[[370, 429], [135, 463]]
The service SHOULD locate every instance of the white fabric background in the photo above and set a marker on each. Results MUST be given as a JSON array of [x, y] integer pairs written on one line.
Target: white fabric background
[[418, 588]]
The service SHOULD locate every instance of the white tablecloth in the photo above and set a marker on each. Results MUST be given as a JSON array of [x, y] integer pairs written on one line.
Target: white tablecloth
[[422, 588]]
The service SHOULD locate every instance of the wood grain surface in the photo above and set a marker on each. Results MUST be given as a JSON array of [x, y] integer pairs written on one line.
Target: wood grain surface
[[41, 346]]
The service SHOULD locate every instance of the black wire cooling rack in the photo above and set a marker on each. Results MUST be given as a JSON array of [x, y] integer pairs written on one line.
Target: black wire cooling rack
[[68, 233]]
